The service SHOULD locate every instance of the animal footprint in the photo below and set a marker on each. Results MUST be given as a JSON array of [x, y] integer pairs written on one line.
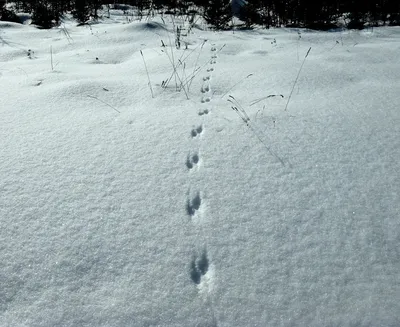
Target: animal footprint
[[193, 205], [214, 57], [199, 267], [196, 131], [206, 78], [205, 99], [192, 160], [205, 88], [213, 61], [213, 49], [210, 69], [204, 112]]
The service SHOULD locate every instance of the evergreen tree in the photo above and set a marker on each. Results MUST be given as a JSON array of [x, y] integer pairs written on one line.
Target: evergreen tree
[[45, 13], [83, 10], [250, 13], [218, 13], [391, 11], [303, 13], [265, 12], [357, 14], [8, 15]]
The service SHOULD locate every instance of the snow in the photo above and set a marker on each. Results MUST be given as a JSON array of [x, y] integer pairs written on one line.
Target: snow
[[120, 209]]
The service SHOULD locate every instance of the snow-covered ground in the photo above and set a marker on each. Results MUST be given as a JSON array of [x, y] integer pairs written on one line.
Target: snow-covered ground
[[120, 209]]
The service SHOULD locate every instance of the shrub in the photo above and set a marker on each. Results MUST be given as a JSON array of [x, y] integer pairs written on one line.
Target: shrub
[[356, 24], [9, 16], [44, 16], [394, 20]]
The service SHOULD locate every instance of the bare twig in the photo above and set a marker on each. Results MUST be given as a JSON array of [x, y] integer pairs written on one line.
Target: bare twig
[[148, 76], [236, 85], [246, 119], [93, 97], [198, 70], [173, 58], [263, 98], [298, 74], [195, 64], [175, 71], [23, 71], [239, 110], [67, 35]]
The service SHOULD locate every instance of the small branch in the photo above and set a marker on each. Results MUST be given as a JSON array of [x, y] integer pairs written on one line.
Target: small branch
[[267, 97], [236, 85], [246, 119], [195, 64], [67, 35], [175, 73], [93, 97], [189, 80], [298, 74], [148, 76]]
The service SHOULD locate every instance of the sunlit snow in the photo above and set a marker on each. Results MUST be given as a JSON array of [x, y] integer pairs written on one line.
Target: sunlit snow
[[122, 209]]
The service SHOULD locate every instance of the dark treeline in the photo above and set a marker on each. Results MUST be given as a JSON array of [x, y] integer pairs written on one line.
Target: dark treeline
[[325, 14]]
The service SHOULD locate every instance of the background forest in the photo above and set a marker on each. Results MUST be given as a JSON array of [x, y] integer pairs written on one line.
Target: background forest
[[322, 15]]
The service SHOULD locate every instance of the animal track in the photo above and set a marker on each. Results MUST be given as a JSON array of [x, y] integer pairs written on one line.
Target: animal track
[[196, 131], [204, 112], [193, 205], [199, 267], [201, 272], [205, 88], [192, 160]]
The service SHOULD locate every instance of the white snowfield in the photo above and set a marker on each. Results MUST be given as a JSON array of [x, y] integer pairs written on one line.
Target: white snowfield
[[122, 209]]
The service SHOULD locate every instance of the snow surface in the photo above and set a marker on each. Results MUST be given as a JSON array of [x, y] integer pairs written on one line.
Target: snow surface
[[119, 209]]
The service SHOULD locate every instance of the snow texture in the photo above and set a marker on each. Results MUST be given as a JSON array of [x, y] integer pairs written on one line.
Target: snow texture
[[120, 209]]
